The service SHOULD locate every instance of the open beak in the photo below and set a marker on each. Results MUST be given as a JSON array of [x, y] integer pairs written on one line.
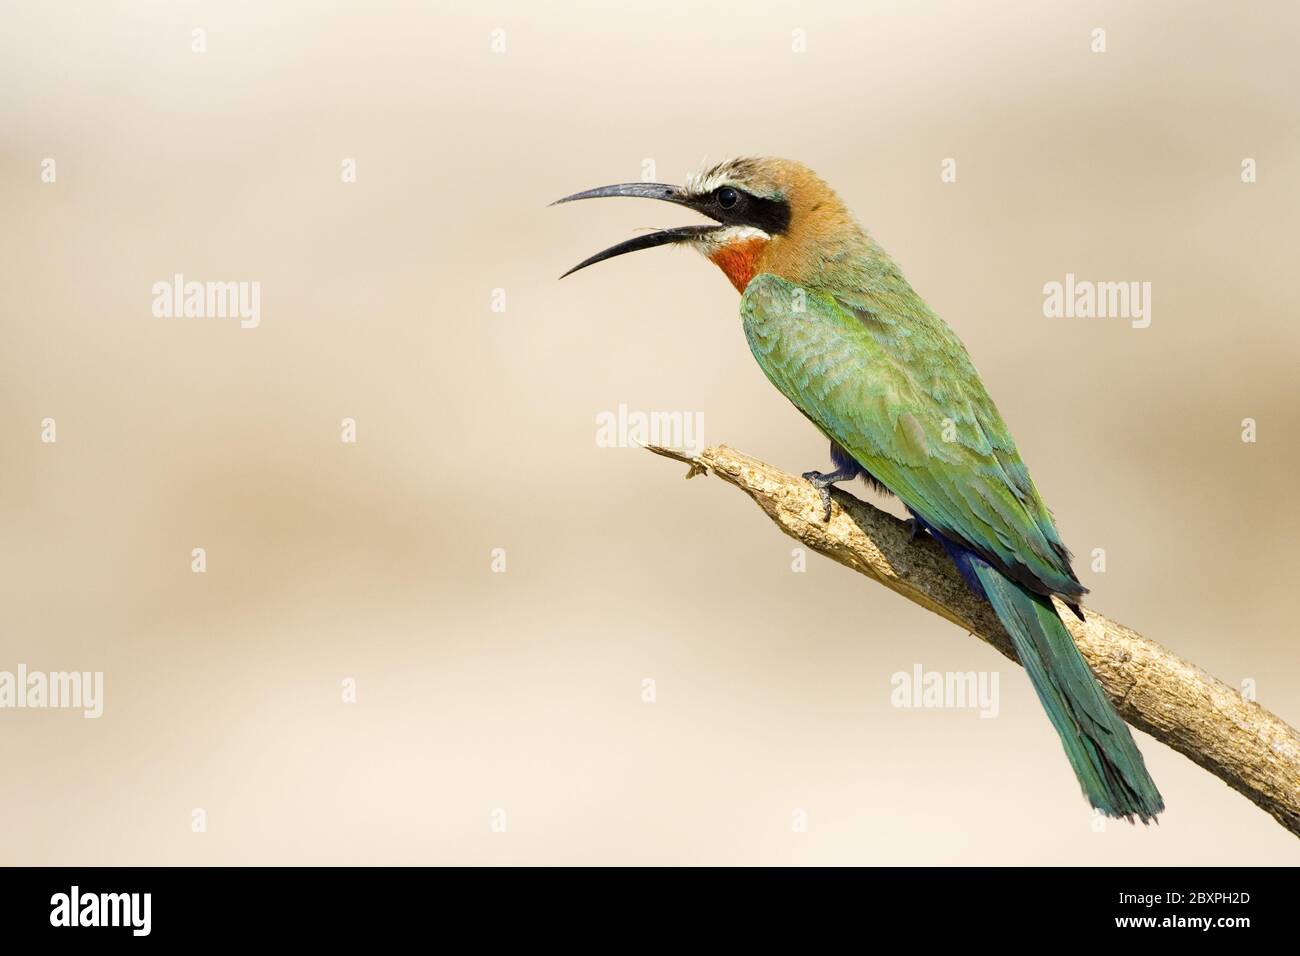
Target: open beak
[[672, 194]]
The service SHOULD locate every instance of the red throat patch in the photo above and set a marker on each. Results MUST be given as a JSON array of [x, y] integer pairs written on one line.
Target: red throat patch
[[739, 261]]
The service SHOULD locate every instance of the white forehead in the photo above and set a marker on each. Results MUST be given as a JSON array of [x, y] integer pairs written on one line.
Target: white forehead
[[743, 173], [707, 180], [710, 178]]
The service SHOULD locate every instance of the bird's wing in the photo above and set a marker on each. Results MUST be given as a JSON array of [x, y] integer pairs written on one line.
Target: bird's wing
[[886, 378]]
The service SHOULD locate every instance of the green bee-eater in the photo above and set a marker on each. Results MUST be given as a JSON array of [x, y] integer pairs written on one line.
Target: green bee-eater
[[836, 327]]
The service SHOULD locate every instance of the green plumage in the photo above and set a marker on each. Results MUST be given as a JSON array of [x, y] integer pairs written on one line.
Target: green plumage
[[1100, 748], [864, 358], [886, 378]]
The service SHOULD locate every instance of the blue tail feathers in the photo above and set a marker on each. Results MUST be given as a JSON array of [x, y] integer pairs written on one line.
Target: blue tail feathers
[[1100, 747]]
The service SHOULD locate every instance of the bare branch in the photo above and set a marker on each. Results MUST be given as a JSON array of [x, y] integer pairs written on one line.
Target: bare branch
[[1247, 747]]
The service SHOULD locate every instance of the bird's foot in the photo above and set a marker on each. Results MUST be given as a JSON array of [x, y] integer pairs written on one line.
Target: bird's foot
[[913, 529], [823, 485], [818, 481]]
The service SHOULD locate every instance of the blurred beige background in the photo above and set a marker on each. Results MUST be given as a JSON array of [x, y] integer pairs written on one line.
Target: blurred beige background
[[521, 691]]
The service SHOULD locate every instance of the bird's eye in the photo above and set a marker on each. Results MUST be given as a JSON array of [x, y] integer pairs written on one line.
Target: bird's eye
[[727, 197]]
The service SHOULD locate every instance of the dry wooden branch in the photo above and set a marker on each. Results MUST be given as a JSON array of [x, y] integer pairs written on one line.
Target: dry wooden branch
[[1247, 747]]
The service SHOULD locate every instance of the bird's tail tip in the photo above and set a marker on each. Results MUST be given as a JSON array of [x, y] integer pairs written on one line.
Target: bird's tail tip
[[1145, 810], [1106, 761]]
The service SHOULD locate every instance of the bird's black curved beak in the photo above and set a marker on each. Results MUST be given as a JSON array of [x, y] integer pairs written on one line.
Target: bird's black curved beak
[[673, 194]]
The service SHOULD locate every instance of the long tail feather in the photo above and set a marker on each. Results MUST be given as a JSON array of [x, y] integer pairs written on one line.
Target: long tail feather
[[1101, 749]]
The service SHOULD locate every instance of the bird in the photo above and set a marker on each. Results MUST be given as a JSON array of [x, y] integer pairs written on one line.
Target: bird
[[840, 332]]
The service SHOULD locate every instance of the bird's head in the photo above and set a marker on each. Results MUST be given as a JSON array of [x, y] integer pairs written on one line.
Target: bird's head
[[769, 215]]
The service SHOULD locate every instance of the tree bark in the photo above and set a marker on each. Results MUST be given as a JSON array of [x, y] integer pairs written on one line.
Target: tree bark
[[1241, 743]]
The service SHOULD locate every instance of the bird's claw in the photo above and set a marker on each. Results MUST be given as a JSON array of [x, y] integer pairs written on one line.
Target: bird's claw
[[818, 481]]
